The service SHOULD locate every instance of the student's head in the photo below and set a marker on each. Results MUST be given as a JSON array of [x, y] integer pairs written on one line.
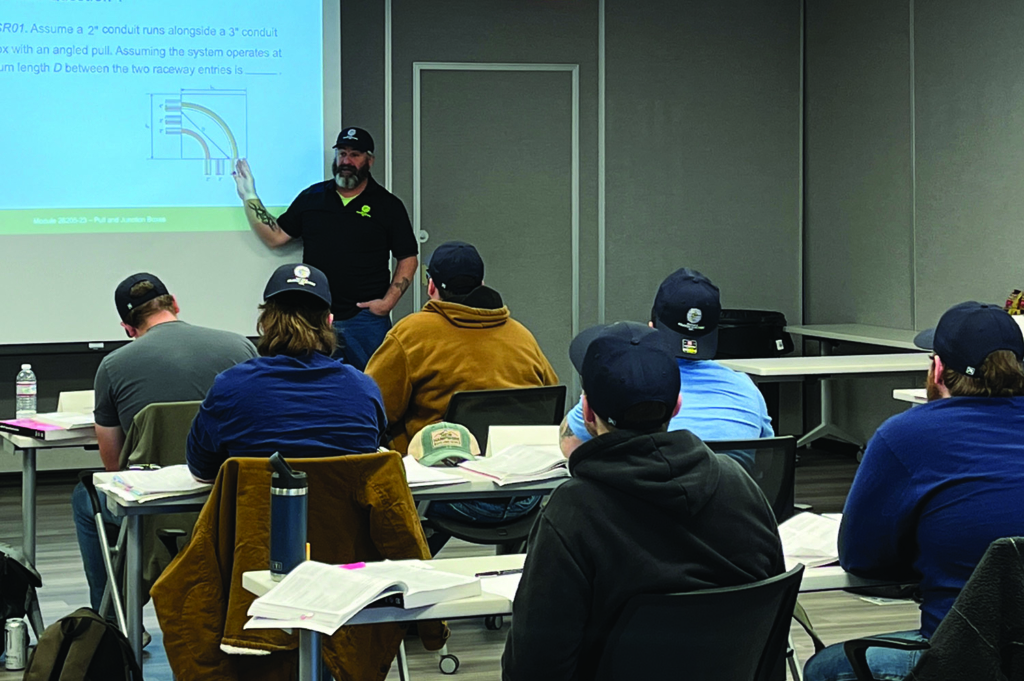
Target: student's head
[[141, 300], [353, 158], [630, 379], [977, 350], [687, 307], [455, 269], [295, 317]]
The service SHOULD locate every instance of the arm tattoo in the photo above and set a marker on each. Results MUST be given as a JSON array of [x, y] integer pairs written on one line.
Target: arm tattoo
[[566, 432], [402, 284], [263, 215]]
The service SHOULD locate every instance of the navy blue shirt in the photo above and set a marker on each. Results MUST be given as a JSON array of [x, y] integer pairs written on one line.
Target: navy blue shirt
[[299, 406], [937, 485]]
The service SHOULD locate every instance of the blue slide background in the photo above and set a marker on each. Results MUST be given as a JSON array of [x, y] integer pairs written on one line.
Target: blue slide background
[[83, 140]]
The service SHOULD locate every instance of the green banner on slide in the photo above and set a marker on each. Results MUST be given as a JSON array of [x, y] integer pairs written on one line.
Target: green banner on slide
[[125, 220]]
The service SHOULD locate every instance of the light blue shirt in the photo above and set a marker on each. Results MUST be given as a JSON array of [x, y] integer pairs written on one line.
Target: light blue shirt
[[718, 404]]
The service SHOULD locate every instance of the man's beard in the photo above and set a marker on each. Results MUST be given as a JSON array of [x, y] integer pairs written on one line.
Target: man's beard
[[353, 179], [930, 388]]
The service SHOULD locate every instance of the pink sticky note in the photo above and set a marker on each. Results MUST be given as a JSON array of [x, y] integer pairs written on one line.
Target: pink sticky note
[[352, 566]]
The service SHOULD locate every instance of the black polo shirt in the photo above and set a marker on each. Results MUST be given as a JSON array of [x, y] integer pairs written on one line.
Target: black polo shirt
[[351, 244]]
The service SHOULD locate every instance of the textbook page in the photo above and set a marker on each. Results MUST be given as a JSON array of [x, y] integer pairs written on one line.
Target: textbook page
[[502, 437], [810, 539], [418, 475], [521, 463]]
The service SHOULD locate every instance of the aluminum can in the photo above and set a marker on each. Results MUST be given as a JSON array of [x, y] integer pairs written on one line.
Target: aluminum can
[[16, 644]]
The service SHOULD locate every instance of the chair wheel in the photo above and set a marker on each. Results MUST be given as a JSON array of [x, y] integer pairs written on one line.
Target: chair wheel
[[449, 664], [494, 622]]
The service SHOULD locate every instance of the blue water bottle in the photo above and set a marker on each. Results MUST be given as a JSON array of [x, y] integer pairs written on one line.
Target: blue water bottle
[[288, 513]]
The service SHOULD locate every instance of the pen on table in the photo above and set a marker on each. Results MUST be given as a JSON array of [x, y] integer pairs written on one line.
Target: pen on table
[[499, 573]]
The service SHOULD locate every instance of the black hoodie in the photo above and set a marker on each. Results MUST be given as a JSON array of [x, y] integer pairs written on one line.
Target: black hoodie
[[654, 513]]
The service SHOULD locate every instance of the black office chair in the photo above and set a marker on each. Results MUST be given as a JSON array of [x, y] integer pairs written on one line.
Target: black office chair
[[478, 410], [771, 462], [737, 633]]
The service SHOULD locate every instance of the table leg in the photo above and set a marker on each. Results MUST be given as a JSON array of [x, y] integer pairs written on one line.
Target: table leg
[[311, 665], [826, 428], [133, 567], [28, 503]]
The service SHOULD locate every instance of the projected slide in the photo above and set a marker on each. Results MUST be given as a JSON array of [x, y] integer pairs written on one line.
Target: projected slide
[[128, 115]]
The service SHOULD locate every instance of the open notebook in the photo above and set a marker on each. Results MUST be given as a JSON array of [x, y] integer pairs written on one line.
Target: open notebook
[[324, 597], [521, 463], [150, 484]]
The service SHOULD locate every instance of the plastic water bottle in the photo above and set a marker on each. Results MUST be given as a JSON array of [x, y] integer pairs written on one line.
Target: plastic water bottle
[[25, 396]]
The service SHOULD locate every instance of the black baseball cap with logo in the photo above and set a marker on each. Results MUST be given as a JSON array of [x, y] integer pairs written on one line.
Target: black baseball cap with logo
[[125, 302], [298, 277], [623, 365], [456, 266], [357, 138], [687, 308], [968, 333]]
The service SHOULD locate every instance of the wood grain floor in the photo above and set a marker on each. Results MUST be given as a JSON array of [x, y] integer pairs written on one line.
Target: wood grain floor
[[822, 480]]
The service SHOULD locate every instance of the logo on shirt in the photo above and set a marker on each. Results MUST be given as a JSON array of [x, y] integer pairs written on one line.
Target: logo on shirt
[[301, 273], [364, 211]]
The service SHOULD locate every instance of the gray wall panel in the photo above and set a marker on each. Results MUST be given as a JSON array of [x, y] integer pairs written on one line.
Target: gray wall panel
[[859, 200], [970, 152], [702, 150]]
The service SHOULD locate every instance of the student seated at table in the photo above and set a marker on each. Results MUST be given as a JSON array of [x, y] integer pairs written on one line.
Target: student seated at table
[[168, 360], [940, 481], [646, 511], [718, 403], [293, 398]]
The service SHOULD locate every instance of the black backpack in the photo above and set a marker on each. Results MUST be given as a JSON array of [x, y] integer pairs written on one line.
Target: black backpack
[[83, 647]]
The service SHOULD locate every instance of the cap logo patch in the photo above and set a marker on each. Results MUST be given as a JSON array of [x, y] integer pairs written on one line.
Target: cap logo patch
[[364, 212], [693, 318], [689, 346], [446, 437], [301, 278], [350, 134]]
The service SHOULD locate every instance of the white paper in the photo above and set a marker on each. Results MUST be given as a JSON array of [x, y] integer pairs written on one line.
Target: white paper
[[521, 463], [419, 475], [810, 539], [502, 437], [69, 420], [502, 585], [151, 484]]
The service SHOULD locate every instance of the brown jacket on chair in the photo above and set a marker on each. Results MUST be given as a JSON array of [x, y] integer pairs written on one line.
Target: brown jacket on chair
[[360, 509]]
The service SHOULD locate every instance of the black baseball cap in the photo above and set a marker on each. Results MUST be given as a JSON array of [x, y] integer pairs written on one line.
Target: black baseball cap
[[968, 333], [357, 138], [456, 266], [687, 307], [623, 365], [298, 277], [125, 302]]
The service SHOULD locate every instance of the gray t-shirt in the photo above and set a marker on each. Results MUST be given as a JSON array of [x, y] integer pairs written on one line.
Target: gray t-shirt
[[171, 362]]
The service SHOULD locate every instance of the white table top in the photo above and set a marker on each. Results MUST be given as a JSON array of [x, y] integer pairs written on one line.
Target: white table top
[[858, 333], [832, 578], [12, 443], [913, 395], [816, 365]]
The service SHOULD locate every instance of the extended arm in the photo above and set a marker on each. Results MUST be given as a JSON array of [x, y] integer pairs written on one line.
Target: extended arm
[[567, 439], [400, 283], [262, 222], [110, 440]]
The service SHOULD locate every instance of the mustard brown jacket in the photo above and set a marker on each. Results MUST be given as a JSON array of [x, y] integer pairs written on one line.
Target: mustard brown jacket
[[360, 509], [448, 347]]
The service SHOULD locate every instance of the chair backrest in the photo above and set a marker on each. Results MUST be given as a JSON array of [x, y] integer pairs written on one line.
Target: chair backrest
[[159, 433], [738, 633], [478, 410], [771, 462]]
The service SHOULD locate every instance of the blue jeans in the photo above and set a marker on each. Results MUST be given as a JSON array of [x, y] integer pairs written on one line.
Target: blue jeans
[[886, 664], [360, 336], [477, 513], [89, 542]]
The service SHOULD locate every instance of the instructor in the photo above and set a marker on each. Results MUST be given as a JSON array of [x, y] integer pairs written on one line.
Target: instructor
[[350, 227]]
